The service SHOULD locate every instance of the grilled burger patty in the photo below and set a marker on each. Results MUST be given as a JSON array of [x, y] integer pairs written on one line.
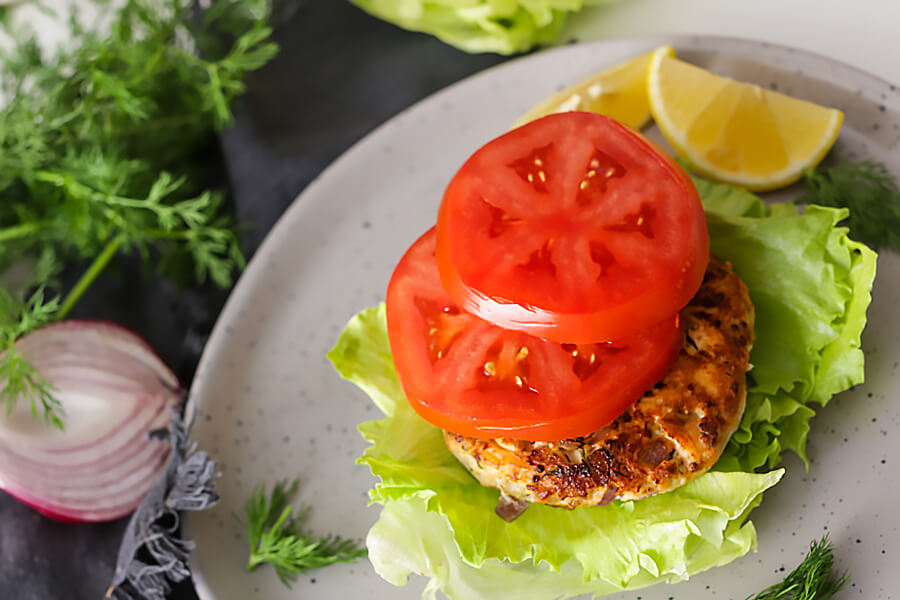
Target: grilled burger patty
[[673, 433]]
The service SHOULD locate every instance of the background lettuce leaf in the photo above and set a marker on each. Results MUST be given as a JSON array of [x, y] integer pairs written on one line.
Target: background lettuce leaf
[[811, 286], [501, 26]]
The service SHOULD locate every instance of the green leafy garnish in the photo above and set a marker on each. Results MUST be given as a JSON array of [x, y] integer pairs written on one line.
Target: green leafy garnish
[[275, 536], [22, 379], [813, 579], [868, 190], [106, 148]]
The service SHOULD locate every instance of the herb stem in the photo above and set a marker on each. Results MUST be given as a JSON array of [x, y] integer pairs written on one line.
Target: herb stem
[[89, 276], [142, 128], [162, 234], [19, 231], [82, 191], [219, 101]]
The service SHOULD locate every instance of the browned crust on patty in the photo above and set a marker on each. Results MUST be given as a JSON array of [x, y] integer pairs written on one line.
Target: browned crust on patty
[[676, 431]]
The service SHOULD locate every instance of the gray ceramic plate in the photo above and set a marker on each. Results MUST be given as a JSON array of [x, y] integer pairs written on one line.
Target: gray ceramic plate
[[270, 406]]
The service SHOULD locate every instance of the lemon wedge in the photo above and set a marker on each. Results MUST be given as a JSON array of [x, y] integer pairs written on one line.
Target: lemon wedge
[[738, 132], [619, 92]]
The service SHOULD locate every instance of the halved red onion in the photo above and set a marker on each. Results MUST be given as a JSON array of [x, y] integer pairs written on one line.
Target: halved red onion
[[114, 390]]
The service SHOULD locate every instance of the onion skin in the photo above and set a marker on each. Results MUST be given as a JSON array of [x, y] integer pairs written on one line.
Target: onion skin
[[114, 390]]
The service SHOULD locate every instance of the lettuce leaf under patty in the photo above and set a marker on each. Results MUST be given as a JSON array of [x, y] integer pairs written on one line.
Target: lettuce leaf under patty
[[810, 285]]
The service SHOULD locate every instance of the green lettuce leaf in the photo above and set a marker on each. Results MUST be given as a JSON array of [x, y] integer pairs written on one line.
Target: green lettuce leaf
[[408, 538], [811, 286], [623, 545], [501, 26]]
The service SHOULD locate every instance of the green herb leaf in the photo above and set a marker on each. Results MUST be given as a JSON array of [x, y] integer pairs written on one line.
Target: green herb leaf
[[868, 190], [18, 378], [105, 148], [813, 579], [275, 536]]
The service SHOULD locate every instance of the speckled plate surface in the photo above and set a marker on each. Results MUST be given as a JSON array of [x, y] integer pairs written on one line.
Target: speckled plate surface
[[269, 405]]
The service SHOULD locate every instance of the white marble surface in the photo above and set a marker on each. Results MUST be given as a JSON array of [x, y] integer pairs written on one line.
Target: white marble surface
[[862, 33]]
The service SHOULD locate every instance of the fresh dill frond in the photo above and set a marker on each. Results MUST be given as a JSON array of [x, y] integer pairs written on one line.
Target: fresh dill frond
[[868, 191], [274, 530], [108, 145], [24, 381], [814, 578], [114, 135], [18, 378]]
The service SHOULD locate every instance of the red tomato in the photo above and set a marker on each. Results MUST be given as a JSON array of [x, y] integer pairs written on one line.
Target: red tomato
[[573, 228], [473, 378]]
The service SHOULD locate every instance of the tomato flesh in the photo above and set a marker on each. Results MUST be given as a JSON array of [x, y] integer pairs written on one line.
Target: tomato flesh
[[573, 228], [473, 378]]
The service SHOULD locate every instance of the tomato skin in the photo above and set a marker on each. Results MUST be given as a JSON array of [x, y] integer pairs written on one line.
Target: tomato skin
[[473, 378], [640, 281]]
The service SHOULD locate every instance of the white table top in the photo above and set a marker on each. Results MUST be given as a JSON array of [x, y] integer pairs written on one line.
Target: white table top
[[863, 33]]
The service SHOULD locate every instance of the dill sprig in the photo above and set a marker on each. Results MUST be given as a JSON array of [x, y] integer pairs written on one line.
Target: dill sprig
[[813, 579], [21, 379], [275, 533], [868, 190], [107, 146]]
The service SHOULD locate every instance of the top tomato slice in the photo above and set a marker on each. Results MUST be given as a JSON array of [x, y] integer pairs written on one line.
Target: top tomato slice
[[473, 378], [573, 228]]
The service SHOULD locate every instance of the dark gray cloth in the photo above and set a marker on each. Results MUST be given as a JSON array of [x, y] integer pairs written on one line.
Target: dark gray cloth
[[153, 555]]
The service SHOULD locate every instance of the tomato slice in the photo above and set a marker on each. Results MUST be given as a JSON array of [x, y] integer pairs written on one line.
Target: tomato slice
[[473, 378], [573, 228]]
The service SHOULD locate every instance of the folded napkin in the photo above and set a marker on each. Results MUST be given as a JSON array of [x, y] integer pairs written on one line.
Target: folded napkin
[[153, 556]]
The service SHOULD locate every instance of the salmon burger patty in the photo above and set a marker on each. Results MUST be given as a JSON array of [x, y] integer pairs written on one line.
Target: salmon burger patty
[[675, 432]]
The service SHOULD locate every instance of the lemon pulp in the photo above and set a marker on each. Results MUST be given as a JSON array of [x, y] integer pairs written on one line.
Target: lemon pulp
[[619, 92], [737, 132]]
